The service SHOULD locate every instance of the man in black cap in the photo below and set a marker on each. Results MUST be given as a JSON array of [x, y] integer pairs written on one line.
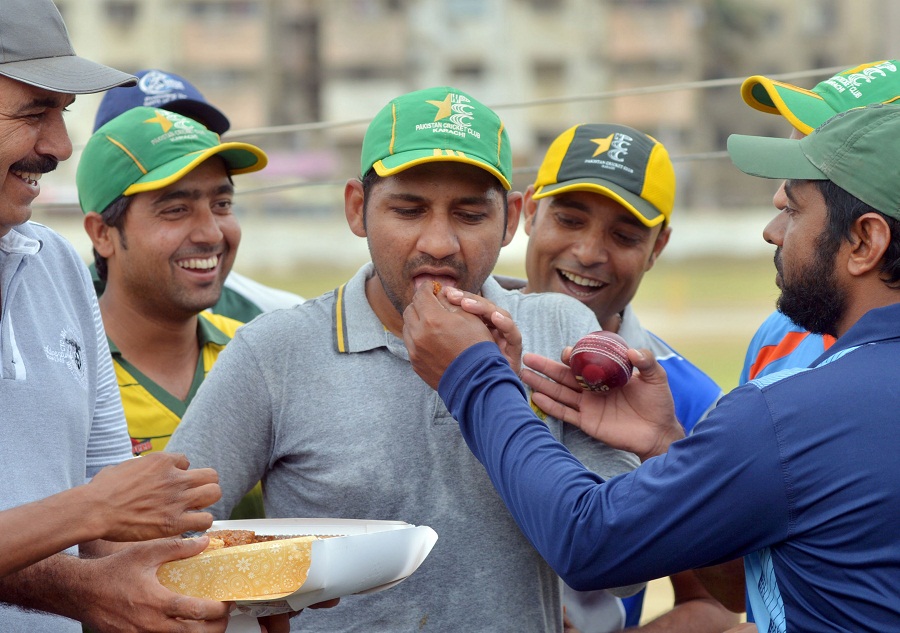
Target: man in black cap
[[62, 411]]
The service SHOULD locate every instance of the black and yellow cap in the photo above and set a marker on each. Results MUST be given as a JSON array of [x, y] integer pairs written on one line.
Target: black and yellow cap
[[616, 161]]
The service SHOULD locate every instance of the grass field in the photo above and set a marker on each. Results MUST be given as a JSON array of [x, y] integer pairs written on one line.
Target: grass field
[[707, 308]]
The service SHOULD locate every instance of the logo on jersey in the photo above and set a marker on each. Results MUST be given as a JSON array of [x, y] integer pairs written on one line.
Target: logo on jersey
[[70, 352]]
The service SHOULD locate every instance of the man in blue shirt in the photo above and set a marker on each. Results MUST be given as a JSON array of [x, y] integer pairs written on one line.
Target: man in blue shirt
[[808, 452], [779, 343]]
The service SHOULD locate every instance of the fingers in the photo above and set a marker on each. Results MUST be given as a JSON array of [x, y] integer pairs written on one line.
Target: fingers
[[168, 549], [201, 496], [473, 304], [554, 399], [555, 409], [200, 614], [178, 460], [552, 369], [650, 369], [199, 476], [194, 522], [506, 327]]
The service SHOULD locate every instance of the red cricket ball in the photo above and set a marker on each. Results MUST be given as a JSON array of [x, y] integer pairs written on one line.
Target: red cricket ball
[[599, 361]]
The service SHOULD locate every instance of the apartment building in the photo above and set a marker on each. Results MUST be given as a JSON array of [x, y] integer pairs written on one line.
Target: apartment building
[[322, 67]]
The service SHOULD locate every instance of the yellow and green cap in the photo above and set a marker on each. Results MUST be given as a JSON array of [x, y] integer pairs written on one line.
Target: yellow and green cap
[[874, 82], [857, 150], [616, 161], [146, 149], [433, 125]]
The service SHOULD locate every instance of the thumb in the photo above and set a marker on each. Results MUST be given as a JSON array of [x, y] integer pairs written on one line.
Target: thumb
[[168, 549], [645, 362]]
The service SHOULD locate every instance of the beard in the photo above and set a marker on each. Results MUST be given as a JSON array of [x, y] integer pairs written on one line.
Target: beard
[[813, 299]]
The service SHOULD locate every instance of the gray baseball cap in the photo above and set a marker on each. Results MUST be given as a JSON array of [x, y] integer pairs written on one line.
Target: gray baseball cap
[[35, 49]]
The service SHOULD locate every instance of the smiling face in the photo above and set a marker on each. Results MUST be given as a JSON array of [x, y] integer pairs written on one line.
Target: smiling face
[[590, 247], [176, 245], [33, 139], [441, 221]]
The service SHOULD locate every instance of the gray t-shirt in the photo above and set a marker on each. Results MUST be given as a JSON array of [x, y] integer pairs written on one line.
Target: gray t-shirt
[[62, 414], [322, 404]]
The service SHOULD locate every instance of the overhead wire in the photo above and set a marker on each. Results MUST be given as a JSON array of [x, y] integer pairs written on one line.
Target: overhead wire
[[319, 126]]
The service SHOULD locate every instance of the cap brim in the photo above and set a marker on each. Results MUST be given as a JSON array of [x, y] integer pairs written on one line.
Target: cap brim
[[69, 74], [804, 109], [780, 158], [240, 158], [399, 162], [642, 210]]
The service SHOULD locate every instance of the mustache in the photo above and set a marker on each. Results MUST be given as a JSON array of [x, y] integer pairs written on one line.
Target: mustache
[[777, 259], [459, 268], [39, 165]]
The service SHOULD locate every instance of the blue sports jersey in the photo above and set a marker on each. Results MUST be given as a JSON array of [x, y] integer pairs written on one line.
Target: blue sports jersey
[[788, 468], [778, 344]]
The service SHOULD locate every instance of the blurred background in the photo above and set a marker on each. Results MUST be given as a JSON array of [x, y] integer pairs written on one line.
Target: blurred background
[[301, 78]]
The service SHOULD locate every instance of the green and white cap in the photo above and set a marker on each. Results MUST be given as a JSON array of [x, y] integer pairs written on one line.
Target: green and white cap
[[874, 82], [857, 150], [433, 125], [146, 149]]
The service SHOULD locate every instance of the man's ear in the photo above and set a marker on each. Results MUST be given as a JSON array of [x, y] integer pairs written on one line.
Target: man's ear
[[661, 240], [529, 208], [99, 232], [870, 237], [513, 211], [354, 206]]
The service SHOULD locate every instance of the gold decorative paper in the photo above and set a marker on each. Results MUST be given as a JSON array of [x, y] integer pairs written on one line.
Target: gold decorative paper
[[257, 571]]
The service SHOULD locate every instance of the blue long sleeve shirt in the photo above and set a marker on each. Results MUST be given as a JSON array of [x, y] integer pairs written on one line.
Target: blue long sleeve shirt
[[796, 470]]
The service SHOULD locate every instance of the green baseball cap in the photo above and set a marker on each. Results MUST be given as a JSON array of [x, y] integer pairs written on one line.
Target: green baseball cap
[[436, 124], [874, 82], [145, 149], [857, 150], [615, 161]]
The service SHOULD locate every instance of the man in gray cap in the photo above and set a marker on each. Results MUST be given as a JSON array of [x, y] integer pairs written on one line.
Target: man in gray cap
[[62, 412]]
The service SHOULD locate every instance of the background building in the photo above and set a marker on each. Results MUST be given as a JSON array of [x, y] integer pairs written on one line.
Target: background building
[[301, 77]]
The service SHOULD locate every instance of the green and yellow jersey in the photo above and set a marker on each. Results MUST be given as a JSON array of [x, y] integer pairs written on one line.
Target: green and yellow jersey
[[152, 413]]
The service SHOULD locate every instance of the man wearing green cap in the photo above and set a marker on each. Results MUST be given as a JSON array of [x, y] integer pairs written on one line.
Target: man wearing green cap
[[807, 454], [157, 193], [779, 343], [321, 401], [598, 218]]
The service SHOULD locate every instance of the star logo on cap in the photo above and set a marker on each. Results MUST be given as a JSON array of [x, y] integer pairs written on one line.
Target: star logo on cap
[[160, 118], [603, 144], [444, 107]]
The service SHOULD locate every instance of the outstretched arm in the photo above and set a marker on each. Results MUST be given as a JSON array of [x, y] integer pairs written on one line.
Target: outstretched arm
[[150, 497]]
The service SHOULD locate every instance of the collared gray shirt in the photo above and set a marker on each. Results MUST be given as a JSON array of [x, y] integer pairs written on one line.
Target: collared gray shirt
[[321, 403]]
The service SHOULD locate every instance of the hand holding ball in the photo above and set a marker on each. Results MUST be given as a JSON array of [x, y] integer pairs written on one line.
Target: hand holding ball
[[600, 361]]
